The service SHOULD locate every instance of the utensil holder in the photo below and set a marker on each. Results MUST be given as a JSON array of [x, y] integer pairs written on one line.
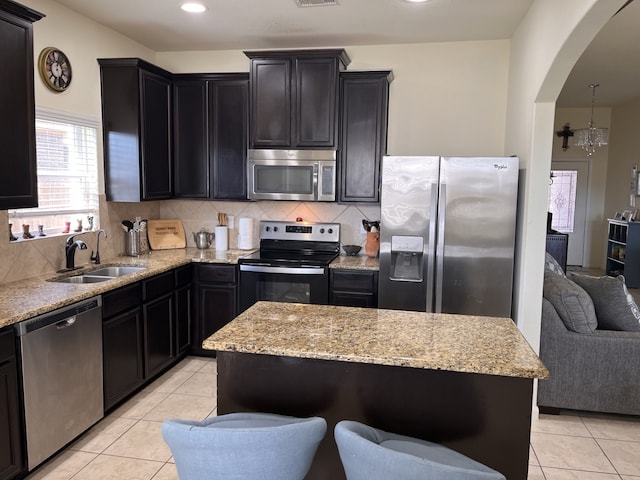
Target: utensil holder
[[372, 246], [132, 243]]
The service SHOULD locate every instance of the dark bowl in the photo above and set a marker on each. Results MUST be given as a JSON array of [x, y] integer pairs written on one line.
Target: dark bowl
[[351, 249]]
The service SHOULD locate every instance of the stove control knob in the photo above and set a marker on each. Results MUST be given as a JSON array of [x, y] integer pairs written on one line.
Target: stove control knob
[[331, 230], [268, 229], [275, 229], [322, 230]]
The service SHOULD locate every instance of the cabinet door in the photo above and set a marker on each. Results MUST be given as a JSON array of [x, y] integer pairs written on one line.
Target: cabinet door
[[18, 183], [216, 308], [10, 448], [183, 319], [156, 135], [191, 144], [270, 116], [363, 135], [158, 334], [122, 351], [11, 462], [228, 116], [316, 102], [354, 288]]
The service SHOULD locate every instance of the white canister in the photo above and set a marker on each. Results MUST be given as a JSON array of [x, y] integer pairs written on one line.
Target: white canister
[[222, 238], [245, 233]]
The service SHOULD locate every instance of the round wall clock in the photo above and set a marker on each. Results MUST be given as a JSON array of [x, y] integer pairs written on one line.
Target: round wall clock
[[55, 69]]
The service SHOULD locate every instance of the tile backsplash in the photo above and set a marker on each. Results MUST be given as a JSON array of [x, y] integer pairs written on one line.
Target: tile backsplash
[[25, 259]]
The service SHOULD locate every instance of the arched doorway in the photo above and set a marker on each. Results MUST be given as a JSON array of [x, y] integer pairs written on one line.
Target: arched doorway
[[544, 49]]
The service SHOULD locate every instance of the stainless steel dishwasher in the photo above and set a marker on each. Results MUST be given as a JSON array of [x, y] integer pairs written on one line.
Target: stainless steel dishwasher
[[61, 376]]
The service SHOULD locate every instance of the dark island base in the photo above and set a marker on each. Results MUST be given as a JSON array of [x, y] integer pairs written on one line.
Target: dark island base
[[485, 417]]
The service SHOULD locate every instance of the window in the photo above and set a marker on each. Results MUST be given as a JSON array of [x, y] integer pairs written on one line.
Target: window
[[562, 199], [66, 152]]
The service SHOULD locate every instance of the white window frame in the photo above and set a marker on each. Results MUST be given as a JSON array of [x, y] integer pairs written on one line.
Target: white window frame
[[47, 114]]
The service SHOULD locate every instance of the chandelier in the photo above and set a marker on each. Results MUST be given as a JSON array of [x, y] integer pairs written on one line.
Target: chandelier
[[591, 137]]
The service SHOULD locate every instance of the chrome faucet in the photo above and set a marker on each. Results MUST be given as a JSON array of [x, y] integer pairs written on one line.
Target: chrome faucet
[[96, 258], [70, 250]]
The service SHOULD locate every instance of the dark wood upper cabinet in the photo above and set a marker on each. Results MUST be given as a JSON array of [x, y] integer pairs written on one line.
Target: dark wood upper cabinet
[[136, 120], [294, 98], [191, 141], [210, 135], [363, 134], [18, 174], [228, 119]]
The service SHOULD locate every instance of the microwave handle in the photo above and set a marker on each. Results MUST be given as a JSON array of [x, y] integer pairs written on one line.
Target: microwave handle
[[316, 168]]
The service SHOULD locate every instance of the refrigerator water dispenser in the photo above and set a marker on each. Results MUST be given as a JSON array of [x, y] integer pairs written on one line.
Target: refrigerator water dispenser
[[406, 258]]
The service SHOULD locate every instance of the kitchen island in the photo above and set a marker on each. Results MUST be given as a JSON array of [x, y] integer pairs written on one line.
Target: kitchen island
[[462, 381]]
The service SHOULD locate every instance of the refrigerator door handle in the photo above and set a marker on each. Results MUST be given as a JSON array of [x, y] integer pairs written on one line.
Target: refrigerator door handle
[[440, 246], [431, 246]]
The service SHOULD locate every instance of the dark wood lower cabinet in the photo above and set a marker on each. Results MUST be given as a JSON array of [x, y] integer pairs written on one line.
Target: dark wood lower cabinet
[[122, 350], [216, 298], [11, 435], [182, 309], [354, 288], [144, 331], [158, 334]]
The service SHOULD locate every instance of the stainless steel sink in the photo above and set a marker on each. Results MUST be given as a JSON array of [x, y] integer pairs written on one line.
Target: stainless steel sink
[[115, 271], [83, 279], [99, 275]]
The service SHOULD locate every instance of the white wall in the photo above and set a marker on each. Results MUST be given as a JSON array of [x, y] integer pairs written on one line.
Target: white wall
[[623, 153], [596, 223]]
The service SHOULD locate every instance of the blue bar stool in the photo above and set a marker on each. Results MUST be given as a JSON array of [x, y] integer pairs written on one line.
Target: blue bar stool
[[244, 446], [368, 453]]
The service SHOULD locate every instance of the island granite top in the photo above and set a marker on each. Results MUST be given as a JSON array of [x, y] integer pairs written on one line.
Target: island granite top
[[459, 343]]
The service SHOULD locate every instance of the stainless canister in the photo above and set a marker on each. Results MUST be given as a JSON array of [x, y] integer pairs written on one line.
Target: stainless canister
[[132, 243]]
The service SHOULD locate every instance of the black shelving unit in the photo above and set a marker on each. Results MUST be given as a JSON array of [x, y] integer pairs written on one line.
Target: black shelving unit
[[623, 251]]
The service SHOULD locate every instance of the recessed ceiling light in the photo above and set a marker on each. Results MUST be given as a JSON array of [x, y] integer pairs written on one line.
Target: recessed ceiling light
[[193, 7], [417, 1]]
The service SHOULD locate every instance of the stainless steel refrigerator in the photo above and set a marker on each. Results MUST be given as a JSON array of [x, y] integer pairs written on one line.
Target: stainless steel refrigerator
[[447, 234]]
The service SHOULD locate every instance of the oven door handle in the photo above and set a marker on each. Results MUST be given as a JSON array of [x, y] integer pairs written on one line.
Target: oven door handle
[[287, 270]]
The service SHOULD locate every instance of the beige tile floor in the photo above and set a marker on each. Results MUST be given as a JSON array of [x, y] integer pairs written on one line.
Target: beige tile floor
[[127, 444]]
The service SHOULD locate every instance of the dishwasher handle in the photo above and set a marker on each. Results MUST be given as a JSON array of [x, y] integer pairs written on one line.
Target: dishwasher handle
[[69, 322], [63, 317]]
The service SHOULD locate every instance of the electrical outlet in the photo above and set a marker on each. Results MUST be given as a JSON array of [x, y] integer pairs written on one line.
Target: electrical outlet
[[231, 221]]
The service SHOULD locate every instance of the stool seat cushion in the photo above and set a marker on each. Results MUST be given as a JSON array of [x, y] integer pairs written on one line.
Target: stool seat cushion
[[244, 446], [368, 453]]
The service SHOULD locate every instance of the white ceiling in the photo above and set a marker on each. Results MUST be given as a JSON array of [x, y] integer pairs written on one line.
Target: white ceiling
[[274, 24]]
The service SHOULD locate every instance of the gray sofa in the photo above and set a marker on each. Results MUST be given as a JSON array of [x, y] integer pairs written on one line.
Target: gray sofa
[[593, 369]]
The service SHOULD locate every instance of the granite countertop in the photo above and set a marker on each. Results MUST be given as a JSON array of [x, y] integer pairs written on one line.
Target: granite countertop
[[24, 299], [459, 343], [355, 262]]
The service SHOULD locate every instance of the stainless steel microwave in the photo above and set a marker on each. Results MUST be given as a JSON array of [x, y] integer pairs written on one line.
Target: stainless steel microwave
[[303, 175]]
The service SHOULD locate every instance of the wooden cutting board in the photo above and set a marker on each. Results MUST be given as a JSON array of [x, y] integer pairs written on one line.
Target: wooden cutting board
[[166, 234]]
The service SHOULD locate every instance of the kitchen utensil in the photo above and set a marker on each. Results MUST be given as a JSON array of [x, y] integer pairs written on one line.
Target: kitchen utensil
[[203, 239], [351, 250], [222, 219]]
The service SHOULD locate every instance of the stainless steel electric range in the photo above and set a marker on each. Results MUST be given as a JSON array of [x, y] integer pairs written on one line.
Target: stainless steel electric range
[[292, 264]]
